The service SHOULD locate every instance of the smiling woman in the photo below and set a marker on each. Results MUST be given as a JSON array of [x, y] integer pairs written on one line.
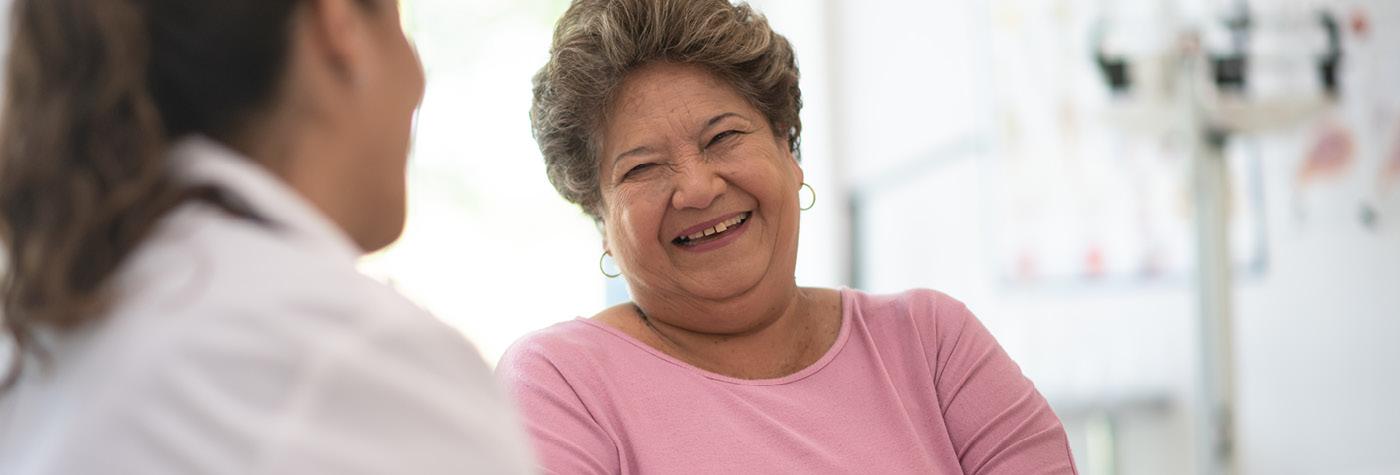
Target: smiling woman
[[699, 155], [674, 123]]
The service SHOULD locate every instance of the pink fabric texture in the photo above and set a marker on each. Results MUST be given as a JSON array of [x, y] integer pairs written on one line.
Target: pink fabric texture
[[913, 384]]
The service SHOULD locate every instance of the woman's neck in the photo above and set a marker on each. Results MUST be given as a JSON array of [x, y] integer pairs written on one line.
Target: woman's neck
[[786, 337], [308, 158]]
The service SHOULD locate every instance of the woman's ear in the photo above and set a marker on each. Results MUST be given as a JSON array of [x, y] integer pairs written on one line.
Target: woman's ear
[[796, 167], [785, 144], [337, 33]]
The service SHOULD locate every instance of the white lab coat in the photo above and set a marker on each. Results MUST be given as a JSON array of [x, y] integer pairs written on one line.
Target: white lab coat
[[239, 348]]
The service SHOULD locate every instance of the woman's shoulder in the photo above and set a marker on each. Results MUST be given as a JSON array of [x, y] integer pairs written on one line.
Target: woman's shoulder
[[920, 303], [928, 314], [568, 343], [206, 264], [206, 286]]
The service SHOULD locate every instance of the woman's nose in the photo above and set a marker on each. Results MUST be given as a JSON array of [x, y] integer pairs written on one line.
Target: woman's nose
[[697, 185]]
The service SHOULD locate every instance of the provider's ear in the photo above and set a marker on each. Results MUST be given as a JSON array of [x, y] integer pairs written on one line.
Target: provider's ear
[[338, 35]]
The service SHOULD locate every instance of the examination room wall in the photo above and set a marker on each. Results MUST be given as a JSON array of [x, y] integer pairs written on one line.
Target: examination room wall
[[985, 159]]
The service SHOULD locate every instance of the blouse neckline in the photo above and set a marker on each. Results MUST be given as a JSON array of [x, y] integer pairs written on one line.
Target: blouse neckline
[[847, 309]]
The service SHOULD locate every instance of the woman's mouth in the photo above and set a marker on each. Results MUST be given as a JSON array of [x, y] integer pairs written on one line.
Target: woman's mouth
[[713, 233]]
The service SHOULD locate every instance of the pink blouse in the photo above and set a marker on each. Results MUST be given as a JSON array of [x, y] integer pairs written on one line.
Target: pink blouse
[[913, 384]]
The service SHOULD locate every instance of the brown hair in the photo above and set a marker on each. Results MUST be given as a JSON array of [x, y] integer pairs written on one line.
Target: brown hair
[[598, 42], [95, 90]]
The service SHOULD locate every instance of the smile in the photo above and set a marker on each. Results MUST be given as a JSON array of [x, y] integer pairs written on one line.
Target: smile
[[713, 232]]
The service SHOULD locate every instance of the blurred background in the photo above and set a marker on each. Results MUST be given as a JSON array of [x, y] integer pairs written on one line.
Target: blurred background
[[1046, 161]]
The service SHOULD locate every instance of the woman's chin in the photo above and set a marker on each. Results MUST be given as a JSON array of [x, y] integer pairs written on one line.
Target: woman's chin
[[726, 284]]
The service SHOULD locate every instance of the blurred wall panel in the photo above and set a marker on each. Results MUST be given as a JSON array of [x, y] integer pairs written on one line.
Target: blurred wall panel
[[929, 109]]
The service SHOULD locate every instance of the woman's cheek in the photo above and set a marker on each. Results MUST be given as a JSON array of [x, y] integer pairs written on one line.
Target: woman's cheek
[[635, 211]]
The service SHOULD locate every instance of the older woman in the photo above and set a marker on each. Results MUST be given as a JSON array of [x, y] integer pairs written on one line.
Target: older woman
[[675, 124]]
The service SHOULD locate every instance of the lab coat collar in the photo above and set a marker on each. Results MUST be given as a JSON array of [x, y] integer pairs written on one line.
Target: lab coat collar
[[199, 160]]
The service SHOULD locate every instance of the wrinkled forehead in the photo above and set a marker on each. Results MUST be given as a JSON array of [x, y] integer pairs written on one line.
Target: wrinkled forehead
[[666, 99]]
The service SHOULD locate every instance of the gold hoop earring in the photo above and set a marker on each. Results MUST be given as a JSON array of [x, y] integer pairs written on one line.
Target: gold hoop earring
[[799, 197], [605, 270]]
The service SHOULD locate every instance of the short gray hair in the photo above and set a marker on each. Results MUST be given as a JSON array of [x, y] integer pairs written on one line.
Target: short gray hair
[[598, 42]]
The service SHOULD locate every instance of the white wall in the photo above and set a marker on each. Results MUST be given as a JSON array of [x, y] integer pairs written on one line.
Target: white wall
[[1319, 341], [1317, 330]]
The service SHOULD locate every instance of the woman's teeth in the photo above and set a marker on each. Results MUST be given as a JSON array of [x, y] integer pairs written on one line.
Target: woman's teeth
[[716, 229]]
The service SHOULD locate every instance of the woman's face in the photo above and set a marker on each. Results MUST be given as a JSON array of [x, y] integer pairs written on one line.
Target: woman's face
[[391, 87], [699, 194]]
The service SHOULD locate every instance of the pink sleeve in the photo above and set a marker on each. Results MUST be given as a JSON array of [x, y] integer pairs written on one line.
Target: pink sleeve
[[997, 421], [566, 437]]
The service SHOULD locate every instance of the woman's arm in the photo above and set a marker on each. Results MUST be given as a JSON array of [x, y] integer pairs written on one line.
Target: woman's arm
[[997, 421], [566, 436]]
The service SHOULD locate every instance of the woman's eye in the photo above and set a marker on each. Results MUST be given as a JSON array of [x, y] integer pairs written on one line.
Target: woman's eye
[[721, 136], [637, 169]]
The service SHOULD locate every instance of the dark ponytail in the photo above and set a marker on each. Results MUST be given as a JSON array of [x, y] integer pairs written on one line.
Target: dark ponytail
[[95, 90]]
